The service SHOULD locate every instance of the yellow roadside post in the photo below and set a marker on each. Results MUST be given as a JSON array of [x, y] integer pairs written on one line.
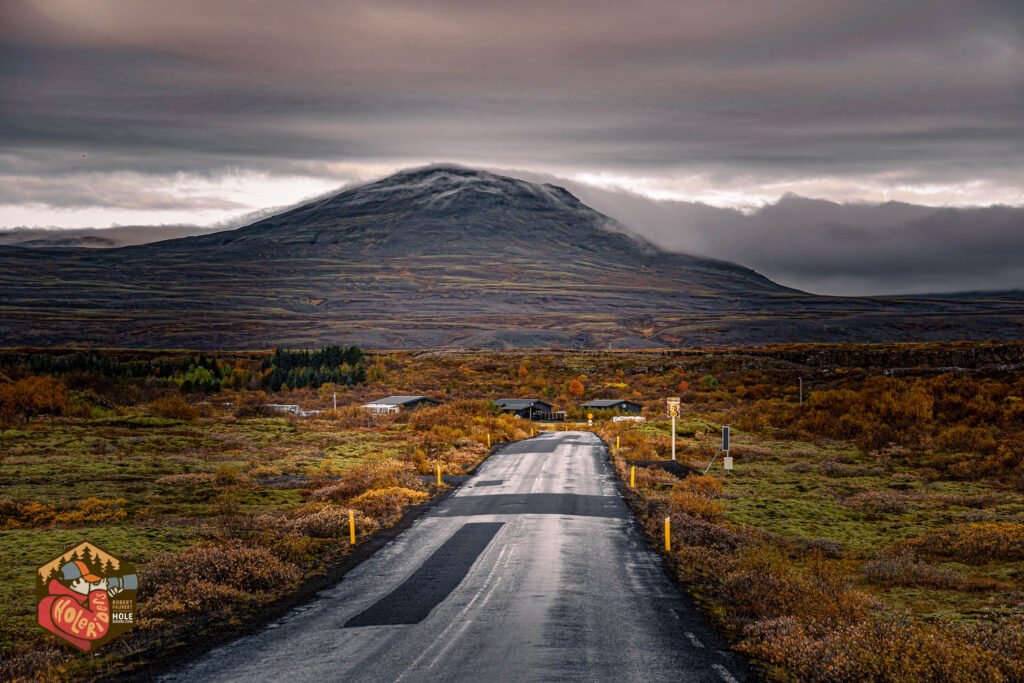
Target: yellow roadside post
[[632, 477], [668, 537], [488, 439], [617, 443], [438, 474], [352, 526]]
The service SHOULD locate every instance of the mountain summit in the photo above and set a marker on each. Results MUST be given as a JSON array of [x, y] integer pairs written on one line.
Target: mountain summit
[[436, 257]]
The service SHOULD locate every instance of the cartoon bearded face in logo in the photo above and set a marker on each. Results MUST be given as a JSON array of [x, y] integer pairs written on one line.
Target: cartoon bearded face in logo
[[78, 605]]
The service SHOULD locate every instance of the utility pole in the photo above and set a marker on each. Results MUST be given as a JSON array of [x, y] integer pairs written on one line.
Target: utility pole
[[335, 400]]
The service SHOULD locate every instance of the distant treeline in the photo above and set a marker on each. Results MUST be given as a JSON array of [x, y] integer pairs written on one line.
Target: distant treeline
[[302, 368], [190, 373], [295, 369]]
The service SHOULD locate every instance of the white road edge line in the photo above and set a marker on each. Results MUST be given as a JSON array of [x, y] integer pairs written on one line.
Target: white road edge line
[[724, 673], [694, 640]]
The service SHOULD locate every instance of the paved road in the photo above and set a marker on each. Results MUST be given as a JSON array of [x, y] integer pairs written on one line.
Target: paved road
[[532, 571]]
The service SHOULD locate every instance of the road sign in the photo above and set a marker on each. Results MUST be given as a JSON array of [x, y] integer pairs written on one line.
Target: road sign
[[727, 461], [673, 412], [590, 416], [673, 406], [725, 439]]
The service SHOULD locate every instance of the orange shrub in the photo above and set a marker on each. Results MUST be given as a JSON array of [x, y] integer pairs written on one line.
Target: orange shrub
[[890, 649], [696, 505], [902, 568], [387, 501], [32, 396], [975, 542], [701, 485], [382, 474], [174, 408], [232, 564], [94, 510]]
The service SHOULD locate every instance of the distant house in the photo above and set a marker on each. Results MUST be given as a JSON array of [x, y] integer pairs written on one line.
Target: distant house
[[621, 405], [292, 408], [530, 408], [392, 404]]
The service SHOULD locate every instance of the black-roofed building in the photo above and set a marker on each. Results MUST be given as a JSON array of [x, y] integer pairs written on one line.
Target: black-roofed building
[[621, 405], [392, 404], [529, 408]]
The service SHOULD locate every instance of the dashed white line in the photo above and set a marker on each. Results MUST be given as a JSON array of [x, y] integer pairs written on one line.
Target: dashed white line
[[724, 673], [694, 640]]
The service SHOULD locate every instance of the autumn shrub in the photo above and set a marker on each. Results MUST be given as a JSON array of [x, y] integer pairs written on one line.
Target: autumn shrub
[[93, 511], [361, 478], [766, 585], [691, 530], [974, 542], [187, 479], [966, 439], [231, 564], [878, 502], [451, 415], [701, 485], [903, 568], [15, 514], [695, 505], [31, 396], [838, 470], [328, 521], [352, 416], [189, 599], [385, 502], [174, 408], [251, 404], [750, 453], [882, 648], [654, 476]]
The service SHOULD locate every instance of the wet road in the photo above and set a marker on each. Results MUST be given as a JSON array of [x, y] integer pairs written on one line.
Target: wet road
[[532, 571]]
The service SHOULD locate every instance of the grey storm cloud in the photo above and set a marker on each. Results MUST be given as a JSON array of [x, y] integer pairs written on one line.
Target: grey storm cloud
[[102, 99], [838, 248], [796, 86]]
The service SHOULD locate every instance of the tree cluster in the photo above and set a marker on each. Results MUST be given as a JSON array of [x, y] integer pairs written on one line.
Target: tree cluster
[[298, 369]]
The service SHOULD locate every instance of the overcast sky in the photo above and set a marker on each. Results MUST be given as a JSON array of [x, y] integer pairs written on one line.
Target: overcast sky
[[199, 111]]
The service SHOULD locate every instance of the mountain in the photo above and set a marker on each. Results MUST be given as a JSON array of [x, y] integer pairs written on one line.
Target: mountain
[[442, 256], [97, 238]]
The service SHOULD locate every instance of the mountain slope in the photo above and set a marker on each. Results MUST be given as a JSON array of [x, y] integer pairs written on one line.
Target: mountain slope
[[440, 256]]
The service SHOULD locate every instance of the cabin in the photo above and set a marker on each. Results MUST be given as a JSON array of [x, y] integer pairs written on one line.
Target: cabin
[[620, 405], [529, 408], [392, 404]]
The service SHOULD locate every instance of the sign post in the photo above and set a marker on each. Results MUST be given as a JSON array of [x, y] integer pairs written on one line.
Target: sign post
[[727, 460], [673, 412]]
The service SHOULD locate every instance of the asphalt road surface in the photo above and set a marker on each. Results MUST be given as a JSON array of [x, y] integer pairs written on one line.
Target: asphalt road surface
[[532, 571]]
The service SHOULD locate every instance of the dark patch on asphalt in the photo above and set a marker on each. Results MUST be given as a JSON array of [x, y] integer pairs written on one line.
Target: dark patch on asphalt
[[490, 482], [532, 446], [412, 602], [532, 504]]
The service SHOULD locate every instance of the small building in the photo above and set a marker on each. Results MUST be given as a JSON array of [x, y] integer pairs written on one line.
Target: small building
[[621, 405], [292, 408], [530, 408], [392, 404]]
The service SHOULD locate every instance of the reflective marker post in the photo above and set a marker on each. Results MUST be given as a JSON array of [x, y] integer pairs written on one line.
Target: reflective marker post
[[352, 526], [668, 536], [632, 477]]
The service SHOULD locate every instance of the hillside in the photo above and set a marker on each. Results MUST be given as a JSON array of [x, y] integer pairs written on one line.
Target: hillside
[[442, 257]]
